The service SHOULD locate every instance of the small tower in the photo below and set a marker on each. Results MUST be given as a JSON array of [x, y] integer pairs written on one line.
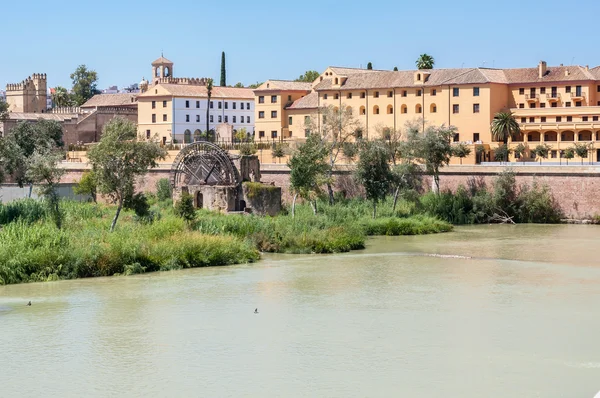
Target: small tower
[[161, 68], [143, 85]]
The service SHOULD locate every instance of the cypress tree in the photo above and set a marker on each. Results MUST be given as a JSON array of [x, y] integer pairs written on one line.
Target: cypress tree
[[369, 66], [395, 69], [223, 72]]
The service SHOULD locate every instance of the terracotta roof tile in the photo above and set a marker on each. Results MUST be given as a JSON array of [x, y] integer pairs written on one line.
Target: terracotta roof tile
[[124, 99], [309, 101], [553, 74], [59, 117], [161, 60], [350, 71], [188, 90], [284, 85]]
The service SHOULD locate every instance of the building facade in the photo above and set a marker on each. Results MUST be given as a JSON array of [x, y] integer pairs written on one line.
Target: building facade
[[557, 106], [174, 110], [29, 96]]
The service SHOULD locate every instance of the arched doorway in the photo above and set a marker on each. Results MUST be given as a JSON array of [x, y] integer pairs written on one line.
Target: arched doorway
[[199, 200], [242, 205], [187, 137]]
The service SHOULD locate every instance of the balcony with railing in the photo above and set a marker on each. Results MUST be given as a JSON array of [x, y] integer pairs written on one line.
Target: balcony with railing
[[553, 97], [532, 97], [578, 96]]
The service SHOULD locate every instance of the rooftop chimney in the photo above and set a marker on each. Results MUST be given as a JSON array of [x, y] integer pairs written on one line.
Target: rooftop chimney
[[542, 68]]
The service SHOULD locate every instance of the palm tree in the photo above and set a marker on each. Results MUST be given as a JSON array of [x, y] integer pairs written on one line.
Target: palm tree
[[209, 87], [61, 97], [425, 61], [504, 126]]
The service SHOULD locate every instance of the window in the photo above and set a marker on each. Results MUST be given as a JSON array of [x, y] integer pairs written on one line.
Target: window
[[455, 108], [569, 118], [164, 104], [210, 105], [521, 105], [153, 104], [390, 109], [241, 106], [164, 117], [577, 103], [455, 92], [273, 114], [226, 119], [594, 118], [349, 95], [375, 110], [568, 89], [306, 132], [598, 89], [247, 119], [324, 96], [248, 105], [532, 92], [197, 118], [219, 105], [404, 93], [532, 120], [363, 95], [475, 108], [147, 133], [568, 104], [261, 100], [233, 105], [558, 119], [336, 96], [523, 120], [418, 93], [273, 99], [553, 154], [376, 95], [274, 134], [475, 91], [433, 92], [187, 104], [220, 119], [154, 118], [197, 104], [261, 134], [289, 97], [261, 114], [543, 119], [521, 91], [362, 110], [584, 119], [290, 120], [543, 105], [404, 109], [456, 137], [187, 118], [390, 94], [306, 119], [226, 105], [554, 105], [475, 137], [578, 92], [542, 90], [211, 118], [433, 108], [532, 105]]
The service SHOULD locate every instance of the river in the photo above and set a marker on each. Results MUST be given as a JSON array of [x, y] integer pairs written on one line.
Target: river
[[486, 311]]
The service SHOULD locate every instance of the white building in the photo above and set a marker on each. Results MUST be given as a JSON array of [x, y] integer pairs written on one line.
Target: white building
[[175, 109]]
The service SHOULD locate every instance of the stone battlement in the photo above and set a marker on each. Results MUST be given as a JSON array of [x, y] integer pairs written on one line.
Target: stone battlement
[[193, 81], [26, 83]]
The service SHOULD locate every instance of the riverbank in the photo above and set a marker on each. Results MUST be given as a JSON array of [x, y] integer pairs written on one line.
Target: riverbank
[[32, 249]]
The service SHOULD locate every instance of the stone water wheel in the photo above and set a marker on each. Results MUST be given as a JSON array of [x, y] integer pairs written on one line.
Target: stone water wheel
[[203, 163]]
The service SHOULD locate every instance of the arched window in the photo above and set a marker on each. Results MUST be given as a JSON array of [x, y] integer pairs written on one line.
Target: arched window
[[197, 135], [187, 137], [337, 81], [157, 72], [375, 110], [167, 71], [404, 109], [418, 108], [418, 76], [349, 110], [432, 108], [363, 111], [390, 109]]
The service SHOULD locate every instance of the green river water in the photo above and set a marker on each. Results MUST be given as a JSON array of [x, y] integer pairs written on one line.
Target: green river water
[[485, 311]]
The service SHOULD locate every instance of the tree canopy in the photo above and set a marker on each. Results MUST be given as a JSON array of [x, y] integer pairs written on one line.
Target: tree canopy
[[119, 159], [432, 148], [425, 61], [373, 171], [504, 126], [3, 110], [61, 97], [309, 76], [369, 66], [84, 85]]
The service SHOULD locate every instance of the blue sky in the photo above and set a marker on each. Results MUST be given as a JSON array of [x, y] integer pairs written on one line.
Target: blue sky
[[282, 39]]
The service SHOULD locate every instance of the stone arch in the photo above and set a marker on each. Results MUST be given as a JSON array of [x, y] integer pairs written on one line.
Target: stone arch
[[376, 110], [187, 137], [567, 136], [390, 109], [203, 163], [550, 136], [585, 135], [418, 108], [197, 135], [533, 136]]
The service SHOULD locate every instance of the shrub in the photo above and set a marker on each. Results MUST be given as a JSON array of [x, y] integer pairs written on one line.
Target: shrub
[[163, 189], [185, 208]]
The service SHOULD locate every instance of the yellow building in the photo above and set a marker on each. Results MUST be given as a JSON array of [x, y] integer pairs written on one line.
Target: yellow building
[[554, 105], [173, 110]]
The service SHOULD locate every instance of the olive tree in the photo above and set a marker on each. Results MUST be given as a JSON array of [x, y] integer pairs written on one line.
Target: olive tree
[[461, 151], [119, 158], [373, 172], [42, 169], [569, 154], [541, 151], [582, 150], [433, 149], [519, 151]]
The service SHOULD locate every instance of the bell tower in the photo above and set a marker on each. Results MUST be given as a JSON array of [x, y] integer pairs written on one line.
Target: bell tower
[[162, 70]]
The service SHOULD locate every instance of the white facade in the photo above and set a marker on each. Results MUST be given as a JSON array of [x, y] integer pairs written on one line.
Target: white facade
[[190, 114]]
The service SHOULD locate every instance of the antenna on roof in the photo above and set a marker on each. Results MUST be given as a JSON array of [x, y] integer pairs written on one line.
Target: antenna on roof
[[573, 61]]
